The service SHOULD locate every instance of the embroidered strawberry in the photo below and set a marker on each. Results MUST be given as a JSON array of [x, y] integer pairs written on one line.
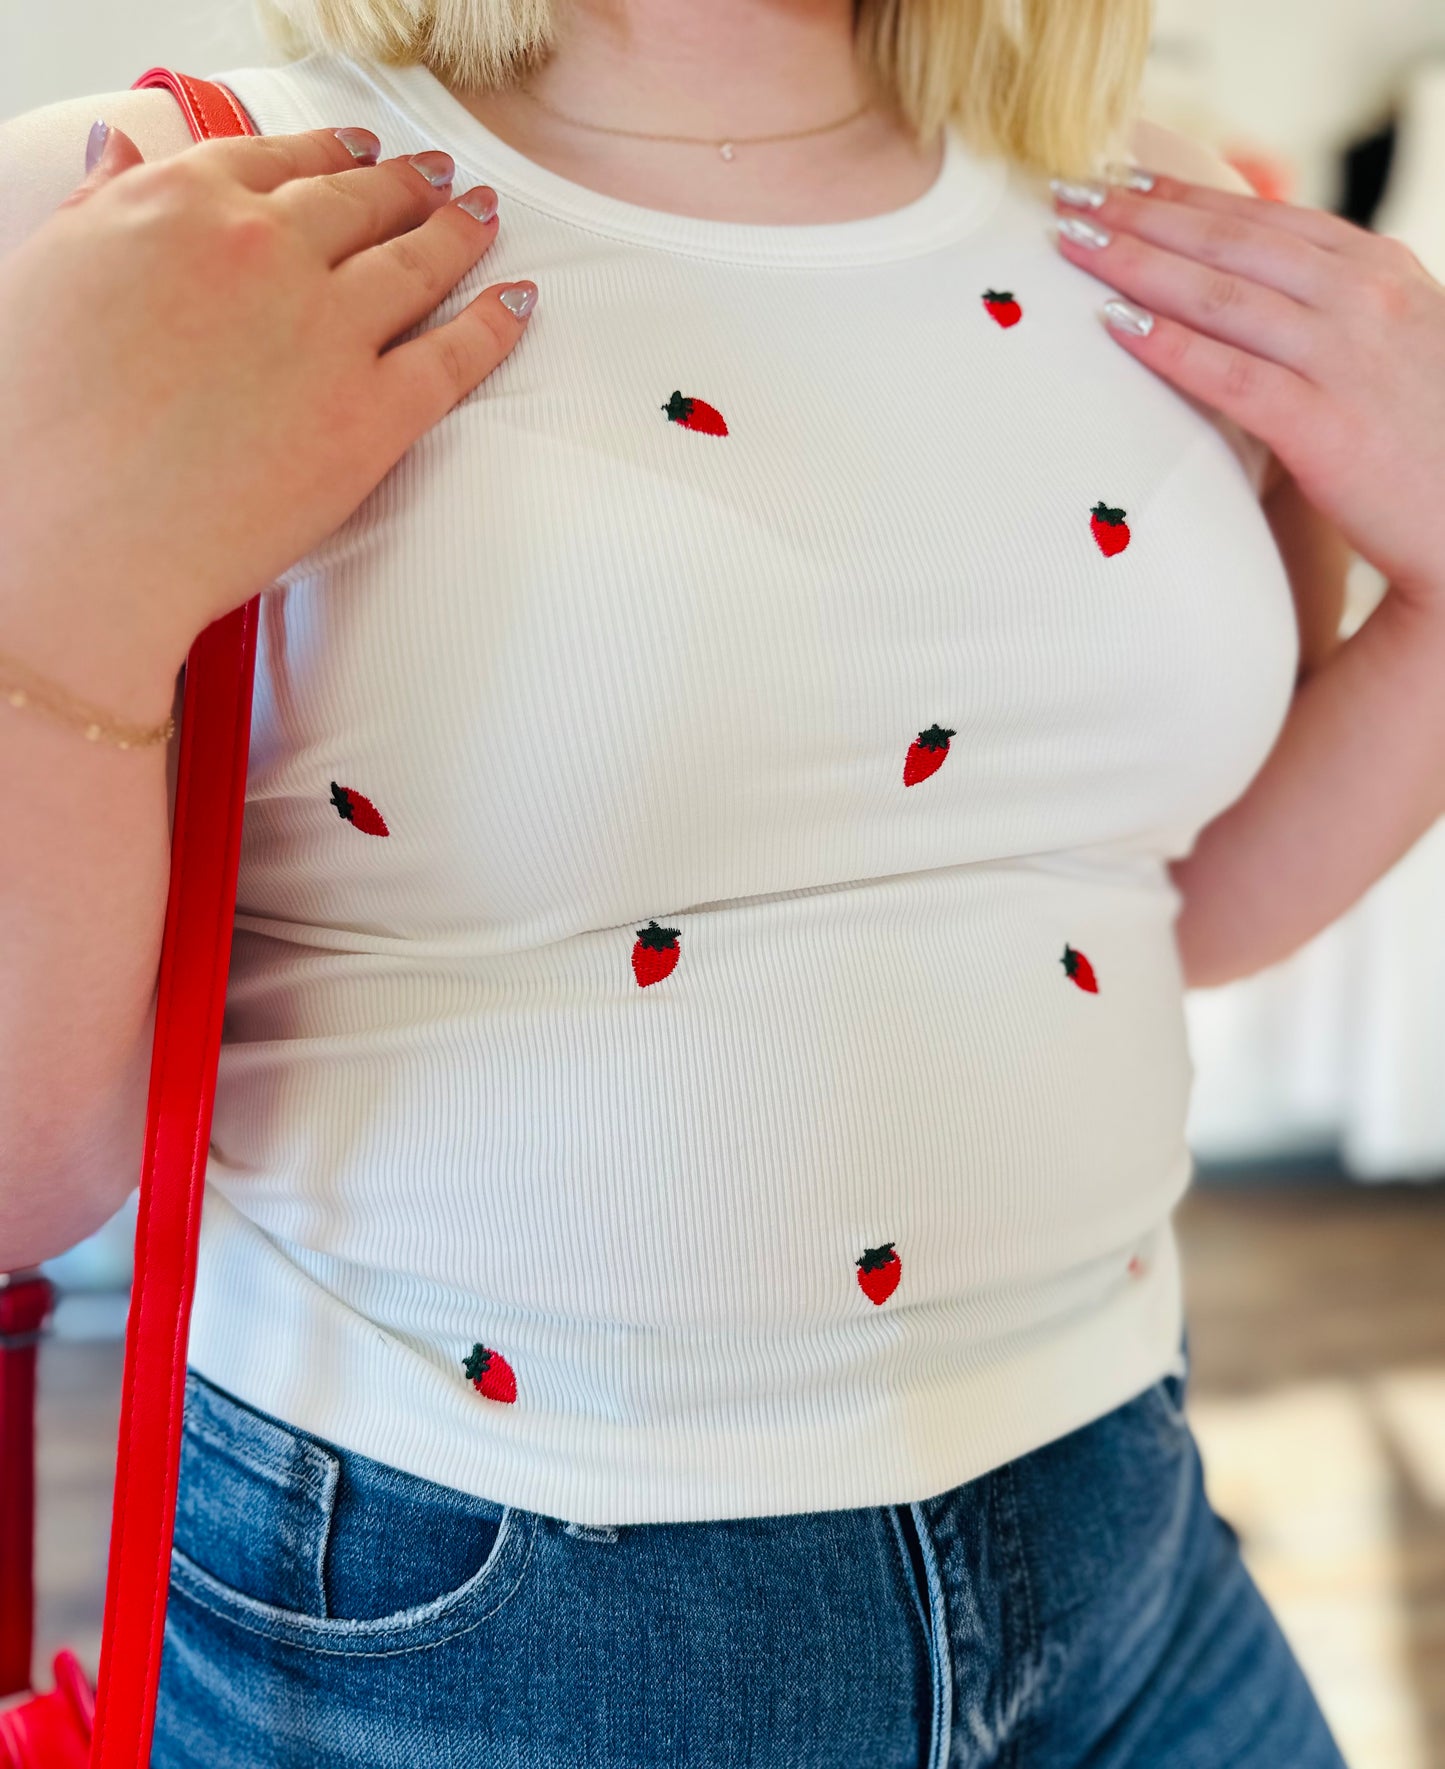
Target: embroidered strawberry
[[696, 414], [655, 954], [1002, 306], [358, 809], [926, 754], [1079, 970], [1136, 1267], [490, 1374], [878, 1272], [1109, 529]]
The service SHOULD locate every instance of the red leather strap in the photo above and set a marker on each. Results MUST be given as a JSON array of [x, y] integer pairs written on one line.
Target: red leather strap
[[210, 109], [25, 1299], [195, 960]]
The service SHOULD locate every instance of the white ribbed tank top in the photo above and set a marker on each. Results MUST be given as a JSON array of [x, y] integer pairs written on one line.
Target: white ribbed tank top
[[705, 1032]]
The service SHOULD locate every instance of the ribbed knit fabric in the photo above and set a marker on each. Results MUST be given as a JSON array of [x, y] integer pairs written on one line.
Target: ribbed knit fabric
[[705, 1033]]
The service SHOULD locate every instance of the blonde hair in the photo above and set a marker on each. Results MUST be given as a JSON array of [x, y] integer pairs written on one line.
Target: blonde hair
[[1048, 84]]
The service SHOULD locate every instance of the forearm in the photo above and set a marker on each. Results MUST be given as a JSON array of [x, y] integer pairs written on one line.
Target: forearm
[[82, 902], [1356, 777]]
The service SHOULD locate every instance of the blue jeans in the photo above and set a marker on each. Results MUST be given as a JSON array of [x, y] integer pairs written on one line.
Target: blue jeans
[[1082, 1606]]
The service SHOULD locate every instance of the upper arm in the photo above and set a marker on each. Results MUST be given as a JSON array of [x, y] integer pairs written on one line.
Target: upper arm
[[1181, 156], [42, 159], [42, 152]]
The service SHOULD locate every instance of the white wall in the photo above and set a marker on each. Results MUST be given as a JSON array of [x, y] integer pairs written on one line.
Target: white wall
[[76, 47], [1300, 77]]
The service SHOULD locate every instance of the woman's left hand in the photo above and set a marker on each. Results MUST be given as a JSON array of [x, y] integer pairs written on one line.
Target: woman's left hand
[[1323, 339]]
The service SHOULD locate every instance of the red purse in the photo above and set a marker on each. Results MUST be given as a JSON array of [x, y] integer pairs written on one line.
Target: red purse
[[110, 1727]]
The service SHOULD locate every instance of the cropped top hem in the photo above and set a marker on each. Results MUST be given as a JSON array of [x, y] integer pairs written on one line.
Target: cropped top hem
[[928, 1417]]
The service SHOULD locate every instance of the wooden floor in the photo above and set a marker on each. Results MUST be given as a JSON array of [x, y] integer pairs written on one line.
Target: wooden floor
[[1317, 1325], [1318, 1345]]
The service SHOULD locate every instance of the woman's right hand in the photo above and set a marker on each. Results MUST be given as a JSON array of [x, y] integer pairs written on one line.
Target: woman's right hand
[[198, 381]]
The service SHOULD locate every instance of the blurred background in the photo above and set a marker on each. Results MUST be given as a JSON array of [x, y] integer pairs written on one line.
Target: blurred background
[[1314, 1239]]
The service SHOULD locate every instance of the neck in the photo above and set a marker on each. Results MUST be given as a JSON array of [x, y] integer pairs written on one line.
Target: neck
[[724, 67], [720, 70]]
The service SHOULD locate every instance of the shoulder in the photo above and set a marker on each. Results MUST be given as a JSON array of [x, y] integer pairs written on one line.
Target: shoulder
[[42, 152], [1183, 156]]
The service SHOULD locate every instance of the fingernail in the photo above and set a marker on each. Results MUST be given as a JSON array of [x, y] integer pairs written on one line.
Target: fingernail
[[481, 202], [361, 144], [520, 300], [1083, 193], [1083, 233], [436, 167], [1131, 177], [95, 147], [1128, 317]]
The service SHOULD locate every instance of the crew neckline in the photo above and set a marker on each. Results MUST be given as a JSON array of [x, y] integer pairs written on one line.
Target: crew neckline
[[960, 199]]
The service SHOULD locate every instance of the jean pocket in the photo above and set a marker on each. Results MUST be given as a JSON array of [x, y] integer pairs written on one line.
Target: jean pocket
[[320, 1548]]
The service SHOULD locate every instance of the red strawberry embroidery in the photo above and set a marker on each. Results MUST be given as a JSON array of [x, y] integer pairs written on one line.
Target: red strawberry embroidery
[[879, 1270], [1079, 970], [490, 1373], [655, 954], [1136, 1267], [696, 414], [358, 809], [1109, 529], [1002, 306], [926, 754]]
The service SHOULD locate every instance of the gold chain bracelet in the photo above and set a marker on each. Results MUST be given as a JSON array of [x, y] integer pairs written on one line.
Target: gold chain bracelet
[[22, 687]]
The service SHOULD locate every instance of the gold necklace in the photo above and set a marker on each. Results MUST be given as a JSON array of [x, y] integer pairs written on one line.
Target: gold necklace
[[725, 147]]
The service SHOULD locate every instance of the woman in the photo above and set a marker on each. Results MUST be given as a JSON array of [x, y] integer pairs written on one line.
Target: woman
[[686, 1275]]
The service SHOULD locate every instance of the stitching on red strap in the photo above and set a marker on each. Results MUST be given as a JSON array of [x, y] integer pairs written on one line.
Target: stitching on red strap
[[197, 104], [232, 105], [236, 111], [195, 91]]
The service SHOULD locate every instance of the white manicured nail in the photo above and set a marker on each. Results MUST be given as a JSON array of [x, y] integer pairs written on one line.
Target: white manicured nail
[[1083, 194], [1083, 233], [1131, 177], [520, 300], [481, 202], [1128, 317], [95, 146]]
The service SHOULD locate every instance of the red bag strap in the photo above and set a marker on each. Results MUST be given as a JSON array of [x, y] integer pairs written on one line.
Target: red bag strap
[[210, 108], [195, 960], [25, 1300]]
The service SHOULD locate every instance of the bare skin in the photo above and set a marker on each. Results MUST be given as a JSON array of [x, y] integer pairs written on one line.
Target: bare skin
[[749, 67]]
